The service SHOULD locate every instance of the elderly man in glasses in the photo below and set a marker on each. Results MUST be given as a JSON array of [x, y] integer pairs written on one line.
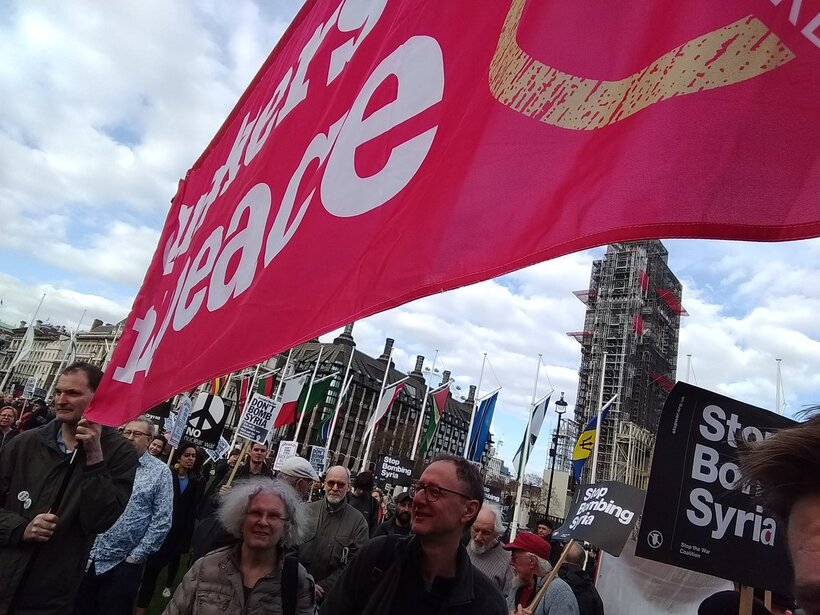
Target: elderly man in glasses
[[430, 571], [335, 532], [118, 556]]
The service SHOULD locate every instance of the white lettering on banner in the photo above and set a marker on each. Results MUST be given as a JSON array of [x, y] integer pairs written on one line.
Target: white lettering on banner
[[594, 501], [706, 468], [420, 86], [794, 16], [418, 67]]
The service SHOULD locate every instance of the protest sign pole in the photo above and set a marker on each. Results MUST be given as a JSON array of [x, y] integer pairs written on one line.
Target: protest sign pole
[[594, 475], [242, 454], [551, 577], [746, 600], [251, 384]]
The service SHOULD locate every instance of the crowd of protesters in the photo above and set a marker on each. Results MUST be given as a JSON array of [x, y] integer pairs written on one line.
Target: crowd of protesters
[[93, 520]]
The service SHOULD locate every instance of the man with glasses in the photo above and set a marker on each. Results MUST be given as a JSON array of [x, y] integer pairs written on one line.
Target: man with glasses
[[60, 485], [430, 571], [118, 556], [335, 532]]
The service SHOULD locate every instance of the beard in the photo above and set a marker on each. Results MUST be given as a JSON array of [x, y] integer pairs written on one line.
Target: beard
[[334, 499], [478, 549], [403, 517]]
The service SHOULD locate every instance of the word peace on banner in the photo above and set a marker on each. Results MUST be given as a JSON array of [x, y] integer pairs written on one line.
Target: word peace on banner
[[257, 419], [375, 125], [206, 421], [698, 513], [603, 514], [394, 470]]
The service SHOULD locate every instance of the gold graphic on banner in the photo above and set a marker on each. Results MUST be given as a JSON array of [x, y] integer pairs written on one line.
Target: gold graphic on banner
[[728, 55]]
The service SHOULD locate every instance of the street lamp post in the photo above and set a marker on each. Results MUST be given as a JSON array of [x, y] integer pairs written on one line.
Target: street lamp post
[[560, 408]]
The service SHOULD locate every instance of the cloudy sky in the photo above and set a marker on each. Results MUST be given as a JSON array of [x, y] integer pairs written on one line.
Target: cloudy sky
[[106, 105]]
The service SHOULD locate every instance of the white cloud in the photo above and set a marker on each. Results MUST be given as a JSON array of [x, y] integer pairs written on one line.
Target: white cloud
[[108, 105]]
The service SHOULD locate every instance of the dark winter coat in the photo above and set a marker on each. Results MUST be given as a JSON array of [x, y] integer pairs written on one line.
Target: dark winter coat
[[385, 579], [580, 582], [32, 465]]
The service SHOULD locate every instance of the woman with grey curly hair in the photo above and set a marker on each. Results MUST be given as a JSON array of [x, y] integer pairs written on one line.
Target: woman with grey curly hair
[[266, 515]]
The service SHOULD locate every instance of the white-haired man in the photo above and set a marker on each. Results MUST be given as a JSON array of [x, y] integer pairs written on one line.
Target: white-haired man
[[335, 532], [530, 560], [299, 474], [253, 576], [486, 551], [118, 556]]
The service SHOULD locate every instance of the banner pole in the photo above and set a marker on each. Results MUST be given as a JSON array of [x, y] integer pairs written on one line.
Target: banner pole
[[251, 385], [423, 410], [746, 600], [551, 576], [307, 397], [363, 467], [235, 467], [342, 393], [525, 453], [16, 358], [472, 412], [72, 338], [594, 476]]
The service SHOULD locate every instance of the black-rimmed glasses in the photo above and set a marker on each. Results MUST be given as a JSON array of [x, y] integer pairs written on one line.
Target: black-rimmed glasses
[[133, 432], [434, 492]]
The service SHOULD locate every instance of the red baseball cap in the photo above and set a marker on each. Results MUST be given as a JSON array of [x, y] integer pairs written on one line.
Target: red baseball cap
[[531, 543]]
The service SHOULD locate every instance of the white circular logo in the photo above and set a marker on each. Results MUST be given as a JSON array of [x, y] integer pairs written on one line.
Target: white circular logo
[[23, 496], [655, 539]]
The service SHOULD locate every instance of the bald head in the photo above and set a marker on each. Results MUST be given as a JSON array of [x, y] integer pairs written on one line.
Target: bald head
[[337, 484], [576, 555]]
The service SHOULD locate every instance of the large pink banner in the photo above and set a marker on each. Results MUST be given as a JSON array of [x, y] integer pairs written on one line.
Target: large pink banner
[[390, 149]]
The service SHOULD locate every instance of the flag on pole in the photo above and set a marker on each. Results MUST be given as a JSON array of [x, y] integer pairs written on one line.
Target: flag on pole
[[265, 386], [438, 400], [481, 427], [327, 415], [585, 444], [539, 412], [391, 392], [244, 387], [318, 394], [25, 347], [290, 399], [71, 356], [217, 384]]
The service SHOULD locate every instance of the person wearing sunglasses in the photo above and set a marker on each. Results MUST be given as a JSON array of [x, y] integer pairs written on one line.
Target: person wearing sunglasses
[[429, 571], [335, 532]]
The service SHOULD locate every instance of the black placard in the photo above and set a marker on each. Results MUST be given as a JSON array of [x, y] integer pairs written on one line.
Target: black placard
[[206, 421], [394, 470], [602, 514], [696, 516], [492, 495]]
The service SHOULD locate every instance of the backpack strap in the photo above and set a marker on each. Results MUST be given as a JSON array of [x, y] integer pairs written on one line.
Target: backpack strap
[[290, 581]]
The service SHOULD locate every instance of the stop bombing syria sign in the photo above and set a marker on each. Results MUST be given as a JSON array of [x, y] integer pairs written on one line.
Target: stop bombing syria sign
[[698, 514]]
